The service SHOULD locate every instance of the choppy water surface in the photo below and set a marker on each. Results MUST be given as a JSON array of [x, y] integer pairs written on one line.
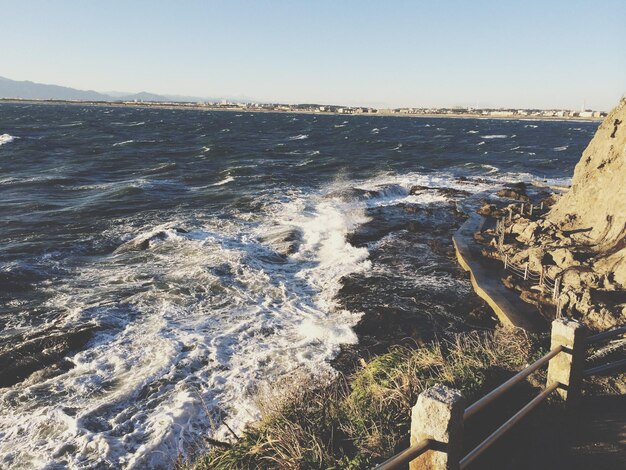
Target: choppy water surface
[[157, 266]]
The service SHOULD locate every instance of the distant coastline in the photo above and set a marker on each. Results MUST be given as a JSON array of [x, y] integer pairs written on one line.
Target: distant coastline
[[312, 109]]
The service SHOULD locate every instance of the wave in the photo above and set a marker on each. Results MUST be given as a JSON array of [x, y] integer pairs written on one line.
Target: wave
[[128, 124], [6, 138], [560, 149], [308, 153], [494, 136], [472, 132], [224, 181], [117, 144], [299, 137]]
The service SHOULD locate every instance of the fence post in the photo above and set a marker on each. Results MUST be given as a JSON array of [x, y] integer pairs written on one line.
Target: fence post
[[438, 415], [521, 211], [566, 368], [526, 272], [555, 292], [506, 261], [541, 279], [530, 210], [541, 207]]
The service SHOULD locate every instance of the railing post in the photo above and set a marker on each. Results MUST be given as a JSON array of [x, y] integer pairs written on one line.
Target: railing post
[[566, 368], [438, 415], [555, 291], [526, 272]]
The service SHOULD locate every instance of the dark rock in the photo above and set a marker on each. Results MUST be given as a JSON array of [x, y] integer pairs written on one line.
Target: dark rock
[[518, 195], [30, 353], [448, 192], [352, 194], [285, 240]]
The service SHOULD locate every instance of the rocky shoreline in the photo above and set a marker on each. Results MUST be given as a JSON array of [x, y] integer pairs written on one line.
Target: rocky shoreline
[[566, 253]]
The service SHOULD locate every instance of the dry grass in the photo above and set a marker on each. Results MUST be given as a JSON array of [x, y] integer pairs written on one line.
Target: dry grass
[[353, 423]]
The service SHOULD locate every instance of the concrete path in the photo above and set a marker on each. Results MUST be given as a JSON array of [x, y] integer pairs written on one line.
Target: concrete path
[[510, 309]]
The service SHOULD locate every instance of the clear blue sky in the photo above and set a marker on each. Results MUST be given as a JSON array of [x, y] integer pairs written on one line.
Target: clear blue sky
[[549, 53]]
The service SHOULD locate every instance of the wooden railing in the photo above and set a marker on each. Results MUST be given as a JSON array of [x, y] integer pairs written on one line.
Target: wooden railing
[[437, 438]]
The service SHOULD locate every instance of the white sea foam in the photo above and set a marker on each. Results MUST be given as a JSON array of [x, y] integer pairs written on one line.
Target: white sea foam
[[472, 132], [531, 126], [494, 136], [560, 149], [6, 138], [299, 137]]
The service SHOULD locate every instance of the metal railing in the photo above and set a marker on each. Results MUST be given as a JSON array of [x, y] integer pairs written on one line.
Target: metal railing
[[611, 366], [401, 459], [506, 386], [548, 284], [406, 455], [484, 445]]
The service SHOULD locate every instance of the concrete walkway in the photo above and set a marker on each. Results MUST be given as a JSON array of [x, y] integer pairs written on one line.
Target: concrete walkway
[[510, 309]]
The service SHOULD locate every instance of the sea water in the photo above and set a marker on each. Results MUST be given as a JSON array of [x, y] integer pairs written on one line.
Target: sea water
[[159, 266]]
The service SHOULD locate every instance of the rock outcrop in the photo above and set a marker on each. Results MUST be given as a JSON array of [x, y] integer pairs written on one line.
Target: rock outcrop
[[593, 211], [581, 242]]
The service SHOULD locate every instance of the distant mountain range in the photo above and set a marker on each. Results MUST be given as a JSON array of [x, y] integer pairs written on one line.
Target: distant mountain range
[[38, 91]]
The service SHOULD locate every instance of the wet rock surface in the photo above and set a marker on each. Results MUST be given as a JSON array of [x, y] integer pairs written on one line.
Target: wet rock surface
[[415, 290], [34, 352]]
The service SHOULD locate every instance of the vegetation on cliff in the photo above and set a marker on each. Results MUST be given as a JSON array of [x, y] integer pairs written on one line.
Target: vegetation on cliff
[[355, 422]]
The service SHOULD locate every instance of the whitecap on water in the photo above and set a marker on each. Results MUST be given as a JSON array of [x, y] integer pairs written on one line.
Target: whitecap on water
[[117, 144], [226, 180], [6, 138]]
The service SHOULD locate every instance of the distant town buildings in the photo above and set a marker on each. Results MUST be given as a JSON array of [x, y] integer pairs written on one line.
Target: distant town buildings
[[337, 109]]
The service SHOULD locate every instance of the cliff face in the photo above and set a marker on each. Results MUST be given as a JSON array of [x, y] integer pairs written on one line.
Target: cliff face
[[594, 210], [581, 242]]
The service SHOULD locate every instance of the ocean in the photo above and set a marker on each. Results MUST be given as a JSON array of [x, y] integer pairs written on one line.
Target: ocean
[[159, 267]]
